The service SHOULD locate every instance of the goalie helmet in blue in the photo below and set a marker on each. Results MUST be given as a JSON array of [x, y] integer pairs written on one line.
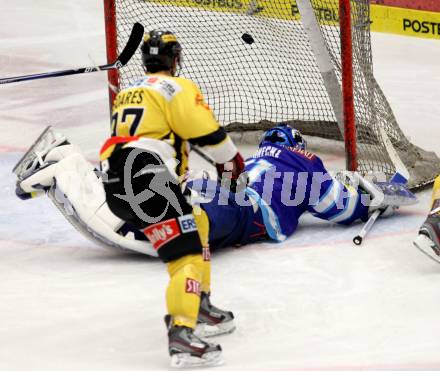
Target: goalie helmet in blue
[[283, 135]]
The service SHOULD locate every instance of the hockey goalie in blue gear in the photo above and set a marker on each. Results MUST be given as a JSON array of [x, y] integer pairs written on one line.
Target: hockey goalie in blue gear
[[284, 181]]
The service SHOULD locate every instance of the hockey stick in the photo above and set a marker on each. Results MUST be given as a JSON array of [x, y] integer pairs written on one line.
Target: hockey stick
[[130, 48], [397, 178], [202, 155], [401, 176]]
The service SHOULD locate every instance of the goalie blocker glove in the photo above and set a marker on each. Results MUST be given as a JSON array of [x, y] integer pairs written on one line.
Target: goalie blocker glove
[[383, 196]]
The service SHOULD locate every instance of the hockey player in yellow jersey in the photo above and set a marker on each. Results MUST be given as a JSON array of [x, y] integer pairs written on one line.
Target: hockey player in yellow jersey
[[154, 121]]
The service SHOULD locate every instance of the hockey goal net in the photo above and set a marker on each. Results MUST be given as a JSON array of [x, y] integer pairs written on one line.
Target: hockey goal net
[[262, 62]]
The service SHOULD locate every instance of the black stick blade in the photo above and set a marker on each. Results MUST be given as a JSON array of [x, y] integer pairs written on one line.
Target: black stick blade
[[137, 33]]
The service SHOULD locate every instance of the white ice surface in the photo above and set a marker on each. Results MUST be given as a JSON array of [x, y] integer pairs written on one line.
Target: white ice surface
[[314, 302]]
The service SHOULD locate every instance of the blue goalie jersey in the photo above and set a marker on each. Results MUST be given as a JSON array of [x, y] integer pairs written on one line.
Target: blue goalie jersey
[[287, 181]]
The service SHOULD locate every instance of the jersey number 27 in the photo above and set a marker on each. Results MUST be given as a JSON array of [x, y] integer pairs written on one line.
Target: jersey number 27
[[130, 118]]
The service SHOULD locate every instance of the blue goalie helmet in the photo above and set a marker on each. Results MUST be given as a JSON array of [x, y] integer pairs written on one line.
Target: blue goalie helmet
[[283, 135]]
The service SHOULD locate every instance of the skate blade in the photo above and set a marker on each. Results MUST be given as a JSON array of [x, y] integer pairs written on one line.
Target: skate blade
[[426, 246], [205, 331], [186, 360]]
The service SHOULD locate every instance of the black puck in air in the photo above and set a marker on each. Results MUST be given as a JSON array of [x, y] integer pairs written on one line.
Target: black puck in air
[[248, 39]]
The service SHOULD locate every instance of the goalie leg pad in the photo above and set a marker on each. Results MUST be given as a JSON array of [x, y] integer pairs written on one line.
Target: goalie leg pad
[[42, 177], [37, 181]]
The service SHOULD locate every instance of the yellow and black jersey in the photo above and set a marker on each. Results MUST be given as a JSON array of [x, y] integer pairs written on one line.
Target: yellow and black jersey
[[171, 110]]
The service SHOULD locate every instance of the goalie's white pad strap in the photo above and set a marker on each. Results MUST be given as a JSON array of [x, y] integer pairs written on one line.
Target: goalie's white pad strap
[[58, 153], [45, 176]]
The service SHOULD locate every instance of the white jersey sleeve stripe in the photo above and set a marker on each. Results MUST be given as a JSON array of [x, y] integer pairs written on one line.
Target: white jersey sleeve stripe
[[347, 212], [329, 199]]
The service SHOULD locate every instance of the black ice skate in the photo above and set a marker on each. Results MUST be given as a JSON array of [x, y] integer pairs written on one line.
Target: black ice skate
[[213, 321], [428, 240], [188, 350]]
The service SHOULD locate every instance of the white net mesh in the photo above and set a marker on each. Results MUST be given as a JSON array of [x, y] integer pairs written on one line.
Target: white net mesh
[[276, 78]]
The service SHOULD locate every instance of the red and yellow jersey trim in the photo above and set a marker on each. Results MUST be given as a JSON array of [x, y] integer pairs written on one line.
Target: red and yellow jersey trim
[[111, 143]]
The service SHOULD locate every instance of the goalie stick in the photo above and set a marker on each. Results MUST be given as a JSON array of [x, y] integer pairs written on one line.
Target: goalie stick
[[357, 240], [208, 159], [401, 176], [133, 42]]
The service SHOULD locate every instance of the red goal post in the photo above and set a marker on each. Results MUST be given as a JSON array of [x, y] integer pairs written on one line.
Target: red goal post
[[111, 38], [347, 85]]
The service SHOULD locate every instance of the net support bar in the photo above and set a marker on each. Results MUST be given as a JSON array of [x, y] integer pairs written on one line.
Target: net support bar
[[340, 99]]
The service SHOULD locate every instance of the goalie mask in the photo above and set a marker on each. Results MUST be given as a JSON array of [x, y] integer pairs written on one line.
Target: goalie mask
[[283, 135], [159, 51]]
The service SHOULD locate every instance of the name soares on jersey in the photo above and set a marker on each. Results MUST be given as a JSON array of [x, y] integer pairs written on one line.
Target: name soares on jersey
[[137, 96], [129, 97], [275, 152]]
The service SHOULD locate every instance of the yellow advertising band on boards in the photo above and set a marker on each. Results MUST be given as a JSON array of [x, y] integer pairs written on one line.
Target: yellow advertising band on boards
[[407, 22], [286, 9], [383, 18]]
